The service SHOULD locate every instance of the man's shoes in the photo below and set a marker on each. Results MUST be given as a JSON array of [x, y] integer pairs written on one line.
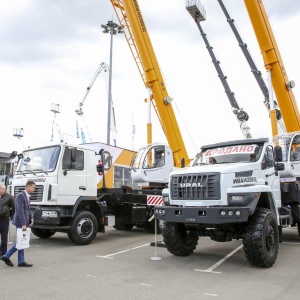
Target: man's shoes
[[7, 261], [25, 264]]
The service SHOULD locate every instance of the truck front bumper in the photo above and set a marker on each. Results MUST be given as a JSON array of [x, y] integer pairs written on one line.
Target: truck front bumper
[[202, 215]]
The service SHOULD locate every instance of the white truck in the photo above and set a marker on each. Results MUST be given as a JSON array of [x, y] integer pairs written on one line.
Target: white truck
[[68, 196], [234, 190]]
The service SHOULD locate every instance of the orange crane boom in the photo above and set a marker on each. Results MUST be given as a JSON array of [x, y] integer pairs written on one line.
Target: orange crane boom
[[273, 63], [134, 28]]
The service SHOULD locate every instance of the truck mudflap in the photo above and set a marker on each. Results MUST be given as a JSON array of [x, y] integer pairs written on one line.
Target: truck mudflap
[[202, 215]]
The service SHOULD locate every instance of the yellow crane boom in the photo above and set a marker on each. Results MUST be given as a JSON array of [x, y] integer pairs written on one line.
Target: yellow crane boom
[[130, 17], [273, 63]]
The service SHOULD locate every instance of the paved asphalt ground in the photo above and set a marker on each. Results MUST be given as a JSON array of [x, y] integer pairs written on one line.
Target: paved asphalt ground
[[119, 265]]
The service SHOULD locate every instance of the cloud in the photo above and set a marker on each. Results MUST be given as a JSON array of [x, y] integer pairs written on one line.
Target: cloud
[[39, 30], [281, 10]]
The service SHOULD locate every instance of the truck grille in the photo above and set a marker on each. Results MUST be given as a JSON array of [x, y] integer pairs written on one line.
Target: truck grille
[[195, 187], [36, 196]]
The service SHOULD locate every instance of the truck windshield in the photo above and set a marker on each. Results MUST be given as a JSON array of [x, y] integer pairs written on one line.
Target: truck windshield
[[39, 160], [229, 154], [290, 146], [137, 159]]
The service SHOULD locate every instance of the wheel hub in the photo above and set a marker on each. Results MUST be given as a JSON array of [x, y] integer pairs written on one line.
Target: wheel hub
[[270, 238], [85, 228]]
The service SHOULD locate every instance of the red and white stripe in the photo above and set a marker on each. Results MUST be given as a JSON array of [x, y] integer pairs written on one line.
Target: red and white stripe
[[154, 200]]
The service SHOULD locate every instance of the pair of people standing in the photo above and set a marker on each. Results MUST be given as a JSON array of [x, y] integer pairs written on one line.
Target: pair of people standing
[[22, 218]]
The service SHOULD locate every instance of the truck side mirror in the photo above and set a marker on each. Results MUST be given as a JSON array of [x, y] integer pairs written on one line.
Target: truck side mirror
[[13, 154], [73, 154], [99, 168], [278, 153], [279, 166], [182, 163], [66, 162]]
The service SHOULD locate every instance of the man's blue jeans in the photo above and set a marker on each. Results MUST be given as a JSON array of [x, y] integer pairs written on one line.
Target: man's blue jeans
[[12, 250]]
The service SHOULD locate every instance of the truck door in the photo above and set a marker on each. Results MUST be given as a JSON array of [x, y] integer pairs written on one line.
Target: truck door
[[72, 179], [270, 175], [153, 164], [294, 156]]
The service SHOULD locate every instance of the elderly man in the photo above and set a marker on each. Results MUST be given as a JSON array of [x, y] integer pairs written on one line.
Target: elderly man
[[7, 210]]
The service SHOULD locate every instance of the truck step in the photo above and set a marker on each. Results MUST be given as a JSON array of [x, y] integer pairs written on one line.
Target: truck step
[[284, 220]]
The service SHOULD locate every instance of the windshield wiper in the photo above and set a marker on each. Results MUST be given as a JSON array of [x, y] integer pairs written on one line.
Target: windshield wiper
[[21, 172], [40, 170]]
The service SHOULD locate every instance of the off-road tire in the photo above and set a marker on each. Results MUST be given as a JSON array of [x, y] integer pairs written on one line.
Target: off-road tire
[[83, 229], [42, 233], [261, 238], [178, 240], [122, 226]]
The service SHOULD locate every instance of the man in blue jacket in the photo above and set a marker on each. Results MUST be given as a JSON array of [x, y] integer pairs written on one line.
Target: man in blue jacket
[[22, 219]]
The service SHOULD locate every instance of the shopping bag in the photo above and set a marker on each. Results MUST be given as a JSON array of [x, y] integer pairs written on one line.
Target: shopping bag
[[23, 238]]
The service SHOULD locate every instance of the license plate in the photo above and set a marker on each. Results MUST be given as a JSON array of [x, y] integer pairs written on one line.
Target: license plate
[[49, 214]]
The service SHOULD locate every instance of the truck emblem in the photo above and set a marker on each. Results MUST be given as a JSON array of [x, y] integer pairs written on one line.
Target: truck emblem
[[39, 180], [195, 184], [107, 161], [244, 179]]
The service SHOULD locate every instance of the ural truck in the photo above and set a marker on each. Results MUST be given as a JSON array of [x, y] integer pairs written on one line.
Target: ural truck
[[234, 190], [71, 195]]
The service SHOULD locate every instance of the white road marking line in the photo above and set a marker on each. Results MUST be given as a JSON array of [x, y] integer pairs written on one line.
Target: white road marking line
[[91, 276], [207, 271], [104, 257], [214, 295], [293, 243], [145, 284], [45, 268], [220, 261], [109, 255]]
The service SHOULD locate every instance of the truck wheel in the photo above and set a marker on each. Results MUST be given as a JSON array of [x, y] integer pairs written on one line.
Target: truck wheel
[[119, 225], [261, 239], [42, 233], [150, 226], [178, 240], [84, 228]]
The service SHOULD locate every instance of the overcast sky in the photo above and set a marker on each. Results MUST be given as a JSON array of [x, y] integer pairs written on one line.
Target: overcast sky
[[51, 49]]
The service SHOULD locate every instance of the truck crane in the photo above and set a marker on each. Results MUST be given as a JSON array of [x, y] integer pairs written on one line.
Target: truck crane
[[145, 167], [287, 144], [102, 67], [254, 70], [79, 111], [71, 194], [240, 114], [55, 108], [244, 189]]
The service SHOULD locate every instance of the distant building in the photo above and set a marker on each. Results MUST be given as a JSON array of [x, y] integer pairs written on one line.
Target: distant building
[[7, 161]]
